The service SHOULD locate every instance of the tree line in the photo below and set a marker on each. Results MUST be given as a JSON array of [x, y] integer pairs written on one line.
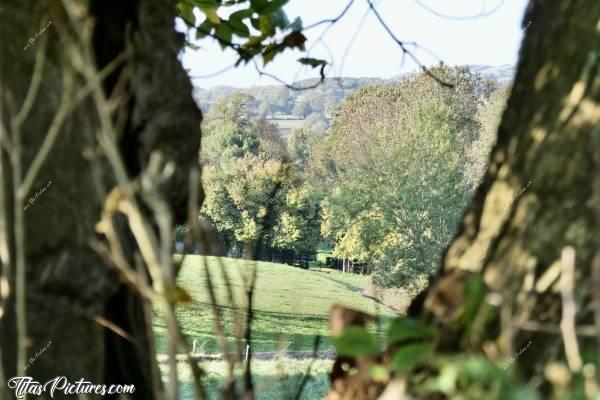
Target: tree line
[[385, 184], [278, 99]]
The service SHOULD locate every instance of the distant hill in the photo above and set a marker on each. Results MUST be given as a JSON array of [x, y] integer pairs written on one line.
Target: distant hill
[[278, 99], [287, 108], [502, 74]]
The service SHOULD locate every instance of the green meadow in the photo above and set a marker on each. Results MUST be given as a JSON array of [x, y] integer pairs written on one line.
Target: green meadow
[[291, 305]]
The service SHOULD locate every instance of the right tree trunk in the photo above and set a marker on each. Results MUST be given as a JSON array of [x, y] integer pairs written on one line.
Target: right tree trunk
[[540, 194]]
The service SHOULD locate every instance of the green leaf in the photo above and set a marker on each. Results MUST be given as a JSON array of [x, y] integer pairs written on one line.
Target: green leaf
[[205, 3], [211, 14], [270, 52], [280, 19], [204, 29], [254, 41], [241, 14], [223, 33], [408, 357], [272, 6], [185, 11], [266, 25], [405, 328], [257, 5], [296, 25], [356, 341], [313, 62], [237, 24]]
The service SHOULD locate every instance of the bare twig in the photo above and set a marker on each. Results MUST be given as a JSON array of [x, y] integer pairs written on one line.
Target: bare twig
[[461, 17], [198, 236], [331, 20], [307, 375], [291, 86], [220, 331], [18, 200], [580, 330], [34, 85], [567, 323], [213, 74], [596, 296], [5, 261], [244, 56], [402, 46], [49, 139], [248, 384], [147, 307], [4, 249], [67, 105], [235, 312]]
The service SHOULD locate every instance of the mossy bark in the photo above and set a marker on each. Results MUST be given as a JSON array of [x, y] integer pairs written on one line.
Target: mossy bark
[[68, 284], [540, 194]]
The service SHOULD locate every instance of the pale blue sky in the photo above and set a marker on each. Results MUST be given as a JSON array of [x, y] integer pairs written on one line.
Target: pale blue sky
[[489, 40]]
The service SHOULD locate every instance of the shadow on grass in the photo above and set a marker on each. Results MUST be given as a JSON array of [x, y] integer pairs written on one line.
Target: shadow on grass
[[270, 387], [264, 337], [346, 285]]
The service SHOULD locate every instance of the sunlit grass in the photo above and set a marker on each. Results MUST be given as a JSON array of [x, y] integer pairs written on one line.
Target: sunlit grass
[[291, 305], [273, 380]]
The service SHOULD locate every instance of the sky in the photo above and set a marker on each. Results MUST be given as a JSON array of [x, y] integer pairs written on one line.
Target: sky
[[491, 39]]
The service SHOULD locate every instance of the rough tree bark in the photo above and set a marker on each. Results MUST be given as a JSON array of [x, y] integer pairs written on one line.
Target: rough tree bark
[[541, 193], [68, 283]]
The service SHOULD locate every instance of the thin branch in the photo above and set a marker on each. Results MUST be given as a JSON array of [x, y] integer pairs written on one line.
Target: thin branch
[[5, 261], [567, 323], [235, 313], [34, 85], [147, 309], [219, 330], [213, 74], [19, 244], [52, 302], [596, 295], [18, 198], [402, 46], [51, 135], [4, 235], [580, 330], [351, 43], [307, 375], [67, 105], [113, 327], [198, 237], [331, 20], [461, 17], [249, 385], [291, 86]]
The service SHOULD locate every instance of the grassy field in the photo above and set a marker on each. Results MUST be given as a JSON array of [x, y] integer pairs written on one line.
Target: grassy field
[[291, 305], [274, 380]]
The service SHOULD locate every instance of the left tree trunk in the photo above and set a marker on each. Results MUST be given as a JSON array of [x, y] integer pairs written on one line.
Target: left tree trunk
[[69, 287]]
